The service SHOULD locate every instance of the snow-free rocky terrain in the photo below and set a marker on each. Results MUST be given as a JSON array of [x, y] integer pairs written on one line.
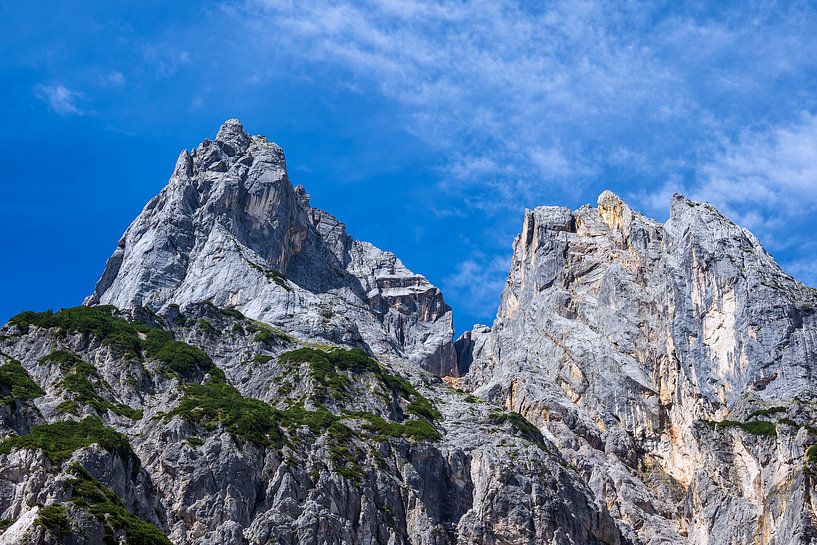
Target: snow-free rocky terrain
[[246, 372]]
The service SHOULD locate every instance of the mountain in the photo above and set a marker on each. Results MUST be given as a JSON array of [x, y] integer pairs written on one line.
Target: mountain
[[673, 364], [245, 372]]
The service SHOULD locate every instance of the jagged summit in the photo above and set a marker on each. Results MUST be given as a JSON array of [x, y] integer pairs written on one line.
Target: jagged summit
[[229, 228], [626, 339]]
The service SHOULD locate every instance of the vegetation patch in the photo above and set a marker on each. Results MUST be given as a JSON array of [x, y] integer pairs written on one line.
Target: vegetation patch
[[265, 333], [98, 321], [178, 357], [121, 335], [261, 359], [233, 313], [760, 428], [61, 439], [16, 384], [83, 383], [272, 275], [219, 404], [517, 421], [206, 327], [54, 518], [768, 411], [417, 429], [104, 504], [327, 368]]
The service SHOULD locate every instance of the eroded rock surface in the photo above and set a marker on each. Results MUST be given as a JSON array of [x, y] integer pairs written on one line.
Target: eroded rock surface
[[229, 228], [625, 340]]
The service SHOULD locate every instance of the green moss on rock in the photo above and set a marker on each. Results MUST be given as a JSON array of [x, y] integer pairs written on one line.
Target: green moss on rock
[[16, 384], [61, 439]]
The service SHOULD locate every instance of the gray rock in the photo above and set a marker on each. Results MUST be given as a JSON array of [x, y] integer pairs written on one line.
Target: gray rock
[[618, 335]]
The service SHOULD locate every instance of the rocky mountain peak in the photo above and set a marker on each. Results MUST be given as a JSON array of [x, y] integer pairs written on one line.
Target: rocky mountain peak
[[653, 353], [230, 229], [233, 138]]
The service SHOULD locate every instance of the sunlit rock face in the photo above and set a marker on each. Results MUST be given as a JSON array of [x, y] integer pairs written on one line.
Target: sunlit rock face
[[619, 336], [230, 229]]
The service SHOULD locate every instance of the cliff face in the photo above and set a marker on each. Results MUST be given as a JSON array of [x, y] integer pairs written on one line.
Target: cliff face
[[627, 341], [245, 372]]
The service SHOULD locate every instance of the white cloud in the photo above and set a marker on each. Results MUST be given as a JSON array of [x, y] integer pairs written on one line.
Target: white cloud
[[59, 99], [477, 283], [536, 105], [115, 79]]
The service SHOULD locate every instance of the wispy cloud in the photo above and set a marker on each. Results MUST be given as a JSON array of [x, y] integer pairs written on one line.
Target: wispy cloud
[[536, 101], [534, 105], [59, 99], [476, 283], [766, 181]]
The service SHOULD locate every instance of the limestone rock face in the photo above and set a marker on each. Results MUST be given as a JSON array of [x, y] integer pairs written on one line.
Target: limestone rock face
[[230, 229], [625, 340]]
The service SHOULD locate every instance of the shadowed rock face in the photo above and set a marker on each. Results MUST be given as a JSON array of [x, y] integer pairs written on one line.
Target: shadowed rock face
[[618, 336], [230, 229]]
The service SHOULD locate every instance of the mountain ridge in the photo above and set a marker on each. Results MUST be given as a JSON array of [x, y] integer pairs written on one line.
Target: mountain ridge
[[247, 372]]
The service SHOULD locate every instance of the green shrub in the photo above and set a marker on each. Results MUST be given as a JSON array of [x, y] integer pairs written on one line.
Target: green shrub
[[767, 411], [104, 504], [219, 404], [760, 428], [5, 523], [98, 321], [420, 406], [83, 382], [525, 428], [16, 384], [233, 313], [206, 327], [261, 359], [62, 358], [61, 439], [328, 369], [416, 429], [54, 518], [178, 357], [121, 335], [272, 275]]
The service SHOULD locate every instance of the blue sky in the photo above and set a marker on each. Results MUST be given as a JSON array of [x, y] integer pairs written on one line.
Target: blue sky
[[426, 127]]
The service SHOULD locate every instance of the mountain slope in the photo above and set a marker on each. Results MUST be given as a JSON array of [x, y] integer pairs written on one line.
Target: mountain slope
[[245, 372]]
